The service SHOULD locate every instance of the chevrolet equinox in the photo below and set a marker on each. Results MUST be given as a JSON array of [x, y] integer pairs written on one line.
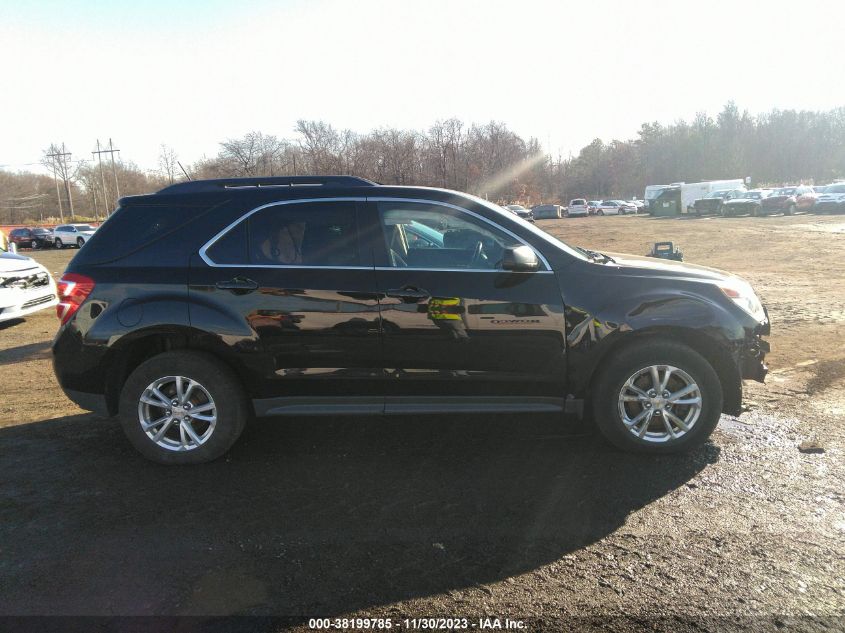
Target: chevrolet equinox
[[192, 309]]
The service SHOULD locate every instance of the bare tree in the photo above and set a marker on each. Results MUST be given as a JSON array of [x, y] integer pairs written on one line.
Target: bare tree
[[168, 163]]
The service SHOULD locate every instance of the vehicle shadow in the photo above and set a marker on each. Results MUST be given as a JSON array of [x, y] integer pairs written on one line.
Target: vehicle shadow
[[308, 517], [31, 351]]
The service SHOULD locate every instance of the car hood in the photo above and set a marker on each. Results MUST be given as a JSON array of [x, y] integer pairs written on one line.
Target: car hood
[[11, 263], [658, 267]]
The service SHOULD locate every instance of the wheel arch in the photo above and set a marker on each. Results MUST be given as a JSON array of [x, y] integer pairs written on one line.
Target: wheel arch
[[135, 348], [716, 353]]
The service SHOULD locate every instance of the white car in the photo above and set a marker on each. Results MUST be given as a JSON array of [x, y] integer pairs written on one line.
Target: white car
[[615, 207], [577, 207], [25, 286], [72, 235]]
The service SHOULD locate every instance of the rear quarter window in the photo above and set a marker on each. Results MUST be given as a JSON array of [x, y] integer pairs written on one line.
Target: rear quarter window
[[135, 226]]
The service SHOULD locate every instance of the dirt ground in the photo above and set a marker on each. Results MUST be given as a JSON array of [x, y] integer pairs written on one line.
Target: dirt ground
[[509, 516]]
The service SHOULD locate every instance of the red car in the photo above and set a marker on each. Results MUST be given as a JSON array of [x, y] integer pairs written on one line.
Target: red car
[[788, 200]]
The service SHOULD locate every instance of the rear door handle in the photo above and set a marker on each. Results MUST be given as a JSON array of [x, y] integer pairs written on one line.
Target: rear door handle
[[241, 285], [409, 294]]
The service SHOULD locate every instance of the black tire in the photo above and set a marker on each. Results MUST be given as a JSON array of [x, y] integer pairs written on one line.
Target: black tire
[[790, 210], [59, 243], [79, 242], [216, 378], [599, 212], [630, 360]]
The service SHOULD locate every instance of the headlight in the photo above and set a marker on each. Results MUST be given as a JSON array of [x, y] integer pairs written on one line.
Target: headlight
[[742, 294]]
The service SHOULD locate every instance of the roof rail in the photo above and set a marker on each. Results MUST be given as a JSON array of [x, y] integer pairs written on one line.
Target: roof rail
[[205, 186]]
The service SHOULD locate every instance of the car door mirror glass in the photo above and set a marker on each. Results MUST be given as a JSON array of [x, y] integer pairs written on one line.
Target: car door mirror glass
[[520, 259]]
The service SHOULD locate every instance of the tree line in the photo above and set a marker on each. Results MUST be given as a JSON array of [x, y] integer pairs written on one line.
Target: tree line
[[490, 160]]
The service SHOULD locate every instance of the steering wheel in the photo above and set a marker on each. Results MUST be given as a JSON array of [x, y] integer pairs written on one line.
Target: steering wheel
[[477, 254]]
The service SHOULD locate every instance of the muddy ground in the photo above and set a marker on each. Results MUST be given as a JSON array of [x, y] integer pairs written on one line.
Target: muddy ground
[[509, 516]]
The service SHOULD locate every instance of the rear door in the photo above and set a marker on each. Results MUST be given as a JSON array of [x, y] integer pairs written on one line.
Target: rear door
[[302, 291], [454, 323]]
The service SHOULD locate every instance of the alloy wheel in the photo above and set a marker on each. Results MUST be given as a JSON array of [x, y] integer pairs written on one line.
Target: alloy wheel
[[177, 413], [660, 403]]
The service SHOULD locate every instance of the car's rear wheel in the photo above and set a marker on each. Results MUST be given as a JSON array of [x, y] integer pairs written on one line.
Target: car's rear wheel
[[657, 397], [79, 242], [600, 212], [182, 407], [59, 243]]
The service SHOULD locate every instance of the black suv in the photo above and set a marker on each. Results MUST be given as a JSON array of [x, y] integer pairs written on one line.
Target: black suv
[[194, 308]]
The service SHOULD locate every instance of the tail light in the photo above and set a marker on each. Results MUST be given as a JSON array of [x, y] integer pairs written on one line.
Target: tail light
[[73, 291]]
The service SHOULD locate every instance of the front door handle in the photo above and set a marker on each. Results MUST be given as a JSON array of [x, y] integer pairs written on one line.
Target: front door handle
[[239, 285], [409, 294]]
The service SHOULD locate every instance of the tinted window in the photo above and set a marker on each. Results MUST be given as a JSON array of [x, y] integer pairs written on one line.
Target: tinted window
[[462, 240], [135, 226], [578, 202], [232, 247], [310, 234]]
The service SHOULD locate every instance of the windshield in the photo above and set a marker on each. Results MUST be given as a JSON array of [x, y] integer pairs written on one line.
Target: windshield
[[540, 233], [516, 207]]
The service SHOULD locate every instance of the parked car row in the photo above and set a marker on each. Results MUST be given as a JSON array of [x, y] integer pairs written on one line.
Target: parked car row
[[786, 200], [61, 236]]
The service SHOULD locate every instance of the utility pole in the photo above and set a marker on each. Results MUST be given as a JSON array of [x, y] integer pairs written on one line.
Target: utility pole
[[111, 150], [102, 177], [57, 156]]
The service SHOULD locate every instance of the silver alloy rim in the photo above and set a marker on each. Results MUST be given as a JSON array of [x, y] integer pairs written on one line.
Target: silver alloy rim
[[177, 413], [660, 403]]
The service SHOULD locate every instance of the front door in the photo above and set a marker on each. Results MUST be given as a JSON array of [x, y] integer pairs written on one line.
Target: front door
[[454, 322], [301, 290]]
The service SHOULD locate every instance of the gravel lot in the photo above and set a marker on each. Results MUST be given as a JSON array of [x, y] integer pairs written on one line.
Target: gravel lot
[[517, 516]]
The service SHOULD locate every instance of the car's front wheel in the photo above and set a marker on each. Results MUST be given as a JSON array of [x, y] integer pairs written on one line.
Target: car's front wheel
[[59, 243], [79, 242], [182, 407], [657, 397]]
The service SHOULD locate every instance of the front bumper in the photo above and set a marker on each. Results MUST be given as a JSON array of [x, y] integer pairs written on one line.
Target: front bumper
[[753, 355], [829, 206], [16, 302]]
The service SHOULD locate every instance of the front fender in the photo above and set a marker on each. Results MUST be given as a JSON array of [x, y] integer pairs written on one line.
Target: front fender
[[592, 335]]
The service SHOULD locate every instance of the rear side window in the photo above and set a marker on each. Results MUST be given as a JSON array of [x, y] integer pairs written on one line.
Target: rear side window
[[300, 234]]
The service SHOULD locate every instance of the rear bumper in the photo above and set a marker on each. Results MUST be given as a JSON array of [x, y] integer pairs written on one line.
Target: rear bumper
[[94, 402]]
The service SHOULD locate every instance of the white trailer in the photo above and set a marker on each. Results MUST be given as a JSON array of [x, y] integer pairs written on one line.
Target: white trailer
[[690, 192]]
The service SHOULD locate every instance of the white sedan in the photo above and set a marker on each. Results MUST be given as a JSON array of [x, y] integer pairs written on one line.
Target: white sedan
[[25, 286], [615, 207]]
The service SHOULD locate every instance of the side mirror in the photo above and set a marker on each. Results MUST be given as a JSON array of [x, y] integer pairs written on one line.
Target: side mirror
[[520, 259], [13, 248]]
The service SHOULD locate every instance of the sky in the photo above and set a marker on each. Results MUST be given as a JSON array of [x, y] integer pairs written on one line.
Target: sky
[[192, 73]]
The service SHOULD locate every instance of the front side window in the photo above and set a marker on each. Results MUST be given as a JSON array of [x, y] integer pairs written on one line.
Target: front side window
[[452, 239], [301, 234]]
